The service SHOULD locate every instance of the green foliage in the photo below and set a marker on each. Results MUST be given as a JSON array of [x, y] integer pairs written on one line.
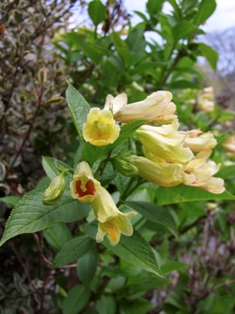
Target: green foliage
[[176, 254]]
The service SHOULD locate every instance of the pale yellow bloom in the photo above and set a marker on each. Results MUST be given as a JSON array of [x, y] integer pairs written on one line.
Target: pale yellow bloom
[[115, 103], [165, 142], [164, 174], [205, 99], [157, 108], [111, 221], [197, 141], [229, 144], [100, 128], [199, 173], [84, 186]]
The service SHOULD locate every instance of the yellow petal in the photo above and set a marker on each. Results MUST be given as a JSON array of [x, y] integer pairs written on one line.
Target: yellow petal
[[100, 128]]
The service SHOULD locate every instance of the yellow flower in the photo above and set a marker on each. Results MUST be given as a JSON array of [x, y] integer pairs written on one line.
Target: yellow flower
[[164, 174], [165, 142], [84, 187], [110, 220], [156, 108], [55, 190], [199, 172], [197, 141], [100, 128]]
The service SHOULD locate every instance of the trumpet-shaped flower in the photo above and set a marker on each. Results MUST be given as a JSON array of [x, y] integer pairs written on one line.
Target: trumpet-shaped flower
[[115, 103], [197, 141], [199, 172], [111, 221], [164, 174], [156, 108], [165, 142], [55, 190], [84, 187], [100, 128]]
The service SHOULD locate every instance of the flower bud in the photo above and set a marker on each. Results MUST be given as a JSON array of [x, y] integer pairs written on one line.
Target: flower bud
[[156, 108], [55, 190], [125, 167]]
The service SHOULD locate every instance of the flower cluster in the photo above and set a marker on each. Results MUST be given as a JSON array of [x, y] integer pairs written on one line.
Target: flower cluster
[[170, 157]]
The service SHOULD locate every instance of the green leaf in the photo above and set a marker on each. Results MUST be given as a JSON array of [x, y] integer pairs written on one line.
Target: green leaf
[[171, 266], [96, 11], [72, 250], [137, 306], [86, 266], [183, 29], [210, 54], [136, 43], [11, 200], [51, 166], [57, 235], [106, 305], [156, 214], [76, 300], [182, 84], [154, 6], [91, 153], [78, 107], [133, 249], [30, 215], [182, 193], [91, 50], [205, 10]]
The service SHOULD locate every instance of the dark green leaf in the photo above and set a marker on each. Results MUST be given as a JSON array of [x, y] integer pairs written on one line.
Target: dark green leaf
[[51, 166], [96, 11], [133, 249], [137, 306], [156, 214], [76, 300], [73, 250], [57, 235], [106, 305], [30, 215], [183, 193], [86, 266], [136, 44], [210, 54], [78, 107]]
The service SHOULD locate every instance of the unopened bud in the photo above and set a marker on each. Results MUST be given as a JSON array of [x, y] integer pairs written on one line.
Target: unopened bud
[[55, 190], [125, 167]]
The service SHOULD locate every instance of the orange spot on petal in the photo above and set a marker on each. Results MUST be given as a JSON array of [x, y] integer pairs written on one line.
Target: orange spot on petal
[[90, 188], [111, 230]]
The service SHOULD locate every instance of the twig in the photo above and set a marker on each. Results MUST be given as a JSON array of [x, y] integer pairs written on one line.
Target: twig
[[21, 262]]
